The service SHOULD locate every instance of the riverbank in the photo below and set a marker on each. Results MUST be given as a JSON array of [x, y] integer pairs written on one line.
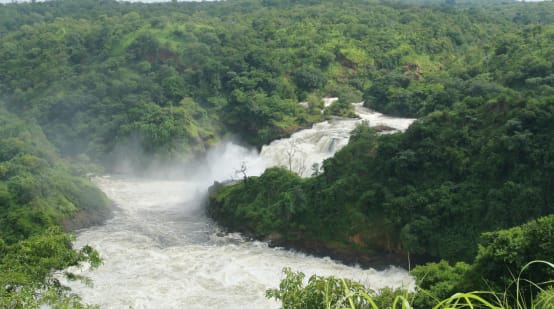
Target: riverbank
[[345, 254], [85, 218], [341, 250]]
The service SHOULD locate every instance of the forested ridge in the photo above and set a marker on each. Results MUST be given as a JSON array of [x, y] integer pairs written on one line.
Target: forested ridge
[[85, 84], [170, 79]]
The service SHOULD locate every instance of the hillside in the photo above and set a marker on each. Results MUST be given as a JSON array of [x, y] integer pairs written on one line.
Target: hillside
[[112, 80]]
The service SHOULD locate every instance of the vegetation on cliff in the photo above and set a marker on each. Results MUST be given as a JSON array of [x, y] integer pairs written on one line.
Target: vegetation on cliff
[[430, 191], [39, 192]]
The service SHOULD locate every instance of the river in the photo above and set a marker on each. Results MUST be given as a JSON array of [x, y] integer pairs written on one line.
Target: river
[[161, 251]]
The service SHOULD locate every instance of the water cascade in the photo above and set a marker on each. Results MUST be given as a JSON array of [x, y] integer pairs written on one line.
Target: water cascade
[[161, 251], [305, 148]]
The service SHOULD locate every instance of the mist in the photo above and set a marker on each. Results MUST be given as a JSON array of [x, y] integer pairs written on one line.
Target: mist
[[225, 161]]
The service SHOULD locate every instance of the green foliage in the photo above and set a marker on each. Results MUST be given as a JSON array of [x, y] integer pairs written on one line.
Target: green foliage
[[278, 201], [440, 278], [502, 254], [437, 281], [342, 107], [499, 271], [331, 292], [97, 76], [545, 299], [37, 189], [26, 270], [309, 79], [38, 193]]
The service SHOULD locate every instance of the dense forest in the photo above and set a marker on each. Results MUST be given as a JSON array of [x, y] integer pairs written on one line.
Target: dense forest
[[39, 195], [87, 84]]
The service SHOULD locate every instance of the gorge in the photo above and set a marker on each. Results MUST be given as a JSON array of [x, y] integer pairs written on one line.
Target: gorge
[[160, 249]]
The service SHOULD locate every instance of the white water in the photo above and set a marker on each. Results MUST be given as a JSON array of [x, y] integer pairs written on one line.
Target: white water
[[161, 251], [304, 148]]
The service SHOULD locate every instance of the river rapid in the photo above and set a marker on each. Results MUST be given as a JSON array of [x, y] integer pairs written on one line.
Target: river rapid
[[161, 251]]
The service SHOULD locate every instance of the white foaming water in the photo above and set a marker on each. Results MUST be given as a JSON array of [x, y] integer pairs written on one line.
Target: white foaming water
[[161, 251], [302, 149]]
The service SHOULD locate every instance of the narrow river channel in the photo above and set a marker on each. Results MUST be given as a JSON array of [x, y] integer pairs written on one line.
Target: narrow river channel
[[161, 251]]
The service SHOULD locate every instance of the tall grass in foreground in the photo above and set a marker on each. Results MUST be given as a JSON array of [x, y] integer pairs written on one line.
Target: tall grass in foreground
[[330, 293]]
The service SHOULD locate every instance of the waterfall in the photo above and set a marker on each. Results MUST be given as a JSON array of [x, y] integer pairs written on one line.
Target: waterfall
[[303, 149], [161, 251]]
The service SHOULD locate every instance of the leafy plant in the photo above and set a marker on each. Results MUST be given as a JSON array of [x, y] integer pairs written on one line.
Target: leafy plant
[[331, 292]]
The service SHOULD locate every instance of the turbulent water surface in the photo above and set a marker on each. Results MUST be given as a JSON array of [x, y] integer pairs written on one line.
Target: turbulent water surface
[[311, 146], [161, 251]]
